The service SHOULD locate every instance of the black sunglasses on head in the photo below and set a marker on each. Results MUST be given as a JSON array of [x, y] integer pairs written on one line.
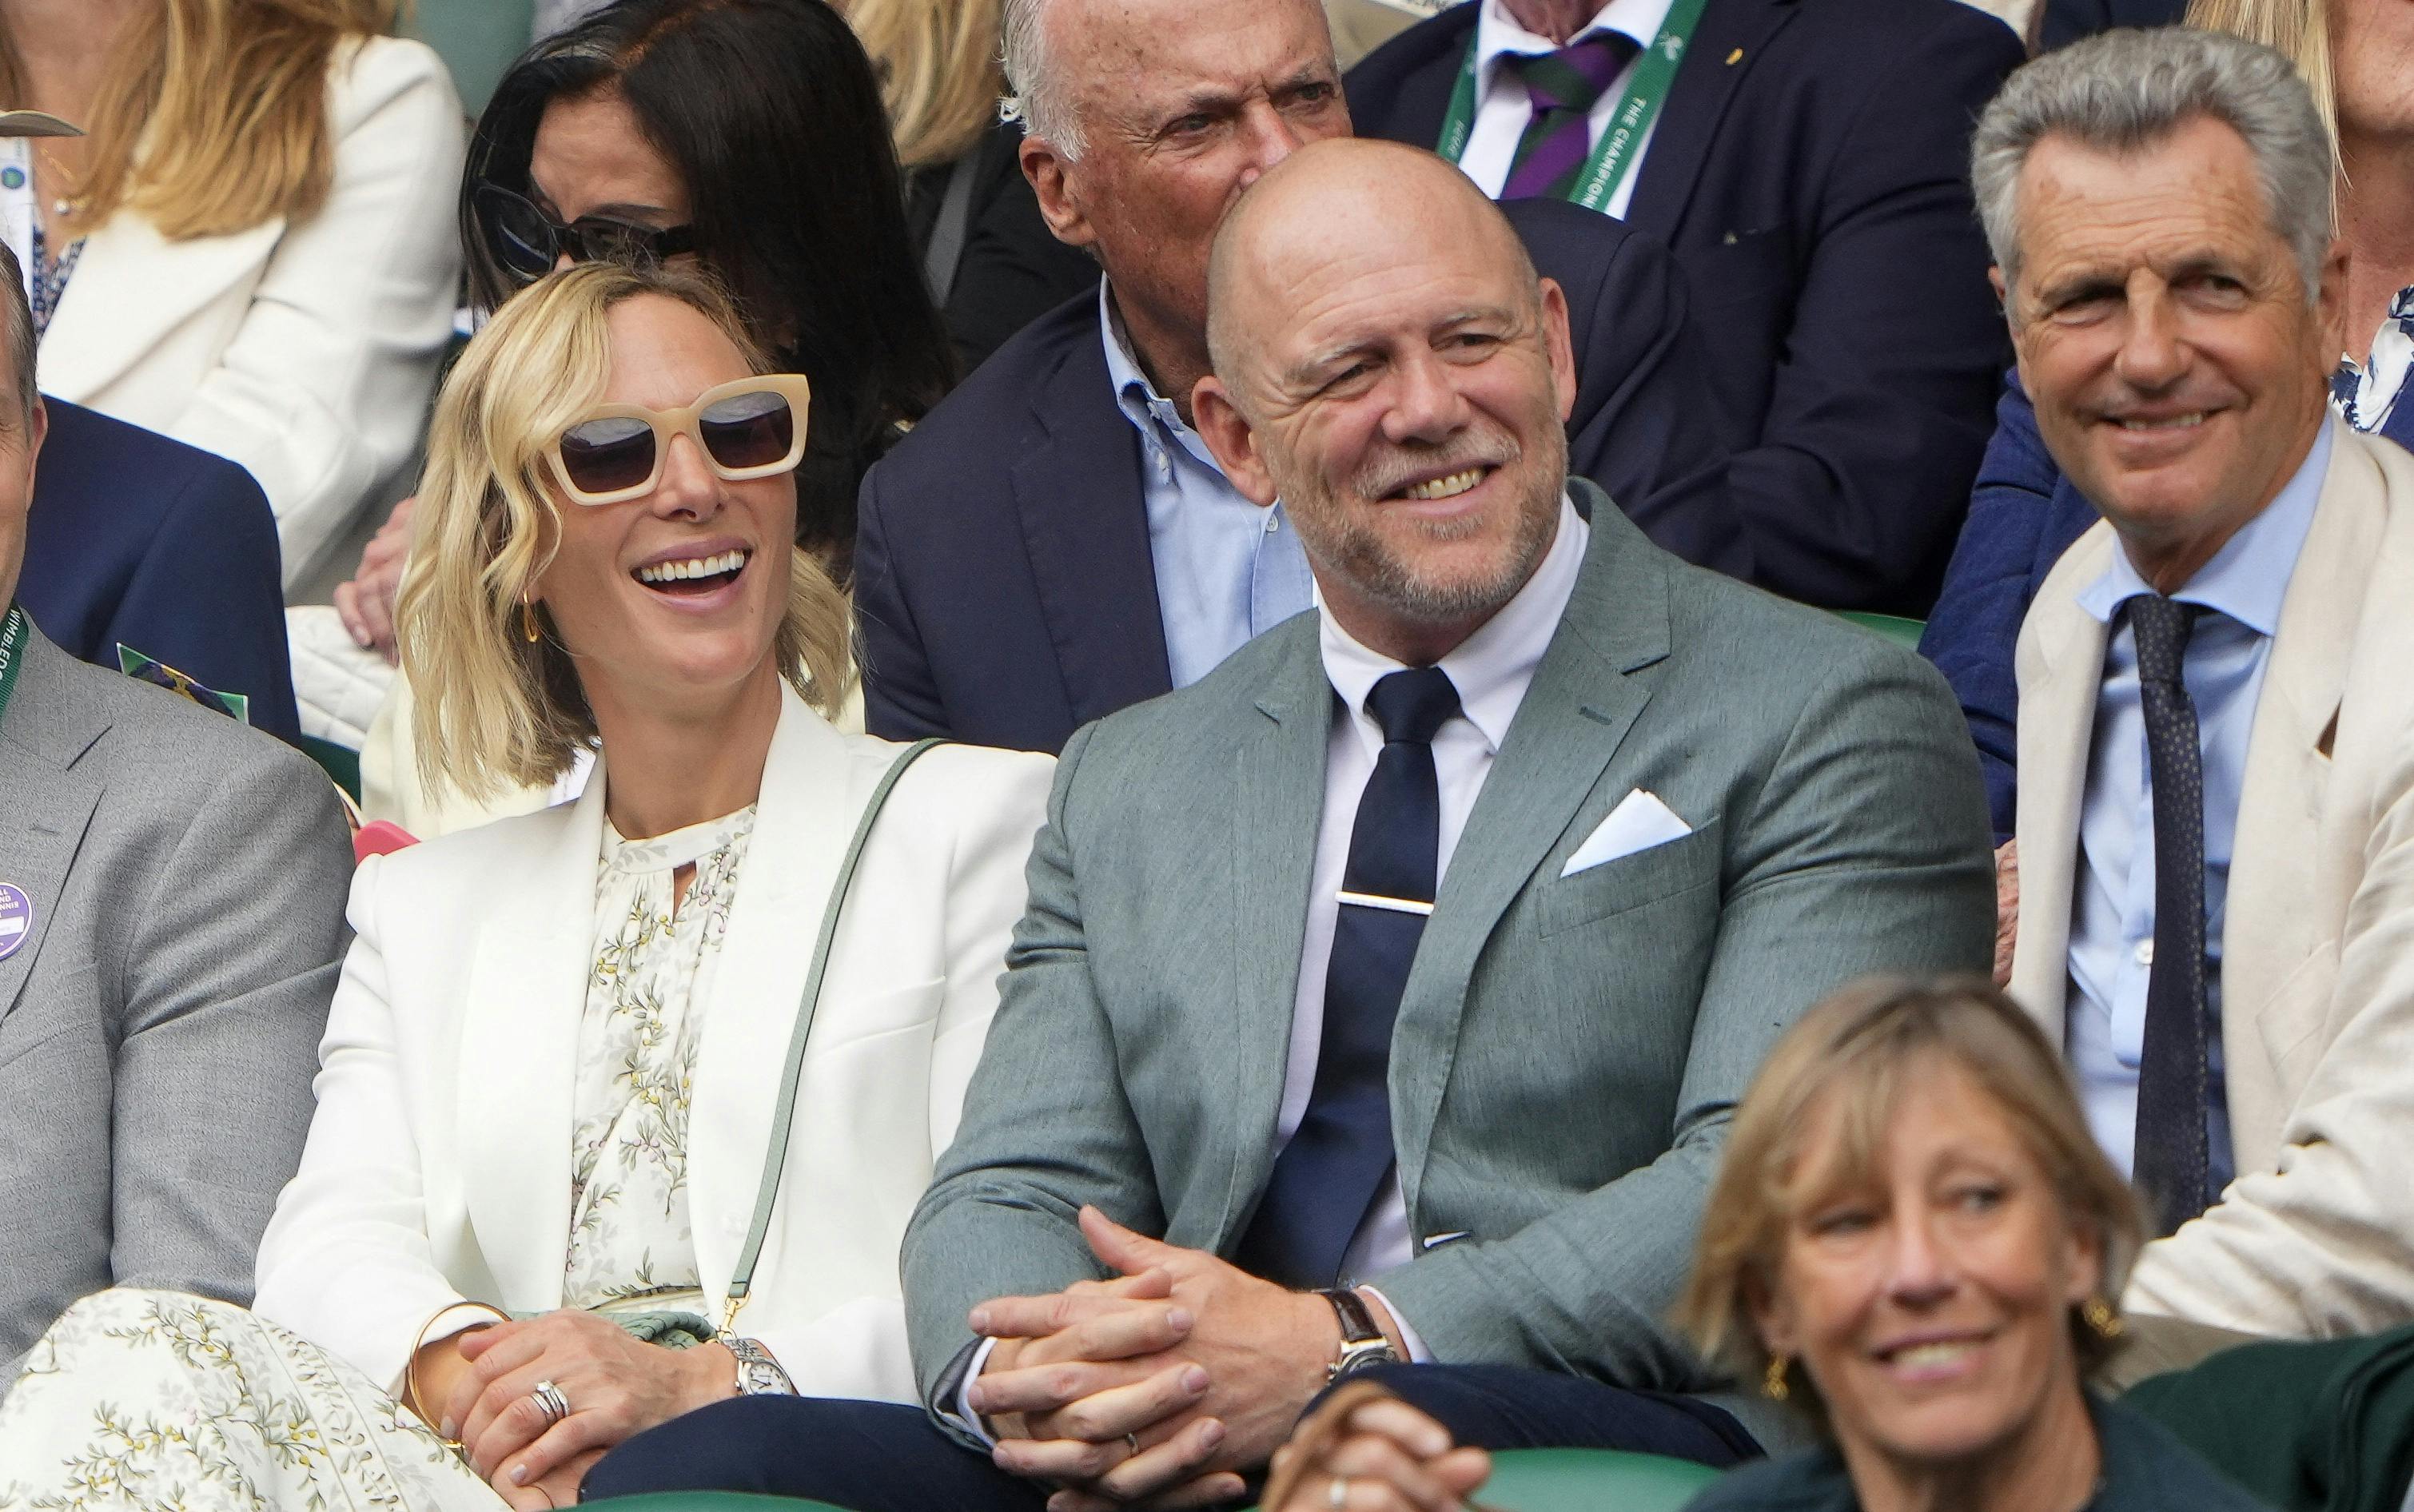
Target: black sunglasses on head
[[528, 242]]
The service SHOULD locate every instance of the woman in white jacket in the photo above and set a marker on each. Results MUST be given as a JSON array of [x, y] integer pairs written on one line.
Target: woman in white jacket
[[551, 1072], [251, 249]]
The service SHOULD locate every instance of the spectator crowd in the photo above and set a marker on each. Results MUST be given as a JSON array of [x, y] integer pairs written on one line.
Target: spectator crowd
[[1037, 754]]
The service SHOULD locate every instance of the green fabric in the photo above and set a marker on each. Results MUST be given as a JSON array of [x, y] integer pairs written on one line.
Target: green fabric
[[477, 38], [1902, 631], [341, 763], [2324, 1427], [1591, 1480], [717, 1502]]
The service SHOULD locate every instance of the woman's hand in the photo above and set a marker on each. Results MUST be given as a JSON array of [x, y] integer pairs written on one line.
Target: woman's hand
[[1382, 1454], [366, 604], [617, 1387]]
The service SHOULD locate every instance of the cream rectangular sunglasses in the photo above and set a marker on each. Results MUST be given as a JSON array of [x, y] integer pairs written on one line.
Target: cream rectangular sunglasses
[[752, 428]]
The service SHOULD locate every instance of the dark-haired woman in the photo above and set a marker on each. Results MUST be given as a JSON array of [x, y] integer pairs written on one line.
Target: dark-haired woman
[[749, 134]]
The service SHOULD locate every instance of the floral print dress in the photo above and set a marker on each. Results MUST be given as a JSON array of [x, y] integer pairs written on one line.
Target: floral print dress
[[158, 1401]]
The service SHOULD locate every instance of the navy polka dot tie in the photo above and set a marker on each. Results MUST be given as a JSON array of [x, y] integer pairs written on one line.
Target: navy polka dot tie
[[1328, 1178], [2170, 1158]]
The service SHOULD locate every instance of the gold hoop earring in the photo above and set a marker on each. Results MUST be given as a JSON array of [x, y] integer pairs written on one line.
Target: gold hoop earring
[[1774, 1384], [2098, 1315], [527, 622]]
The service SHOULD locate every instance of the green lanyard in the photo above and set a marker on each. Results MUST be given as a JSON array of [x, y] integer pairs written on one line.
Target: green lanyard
[[13, 650], [1613, 156]]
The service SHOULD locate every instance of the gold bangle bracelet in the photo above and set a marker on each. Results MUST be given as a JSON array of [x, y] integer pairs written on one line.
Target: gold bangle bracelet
[[410, 1397]]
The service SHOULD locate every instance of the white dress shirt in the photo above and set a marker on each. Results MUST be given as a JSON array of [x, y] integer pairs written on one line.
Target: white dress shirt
[[1502, 106], [1491, 669]]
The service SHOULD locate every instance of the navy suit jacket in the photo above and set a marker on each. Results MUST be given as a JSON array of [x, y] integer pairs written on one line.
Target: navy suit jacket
[[2023, 515], [1810, 171], [170, 550], [2062, 21], [1004, 582]]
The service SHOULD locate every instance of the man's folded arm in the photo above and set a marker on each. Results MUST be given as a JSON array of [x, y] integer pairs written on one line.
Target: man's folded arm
[[1046, 1128]]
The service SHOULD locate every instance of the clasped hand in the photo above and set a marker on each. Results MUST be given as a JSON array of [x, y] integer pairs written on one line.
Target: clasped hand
[[617, 1386], [1156, 1387]]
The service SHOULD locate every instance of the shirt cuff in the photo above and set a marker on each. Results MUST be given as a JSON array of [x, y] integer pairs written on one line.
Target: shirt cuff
[[1417, 1353], [963, 1414]]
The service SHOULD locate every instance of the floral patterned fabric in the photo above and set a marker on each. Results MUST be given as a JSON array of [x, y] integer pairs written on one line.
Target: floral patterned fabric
[[651, 974], [156, 1401]]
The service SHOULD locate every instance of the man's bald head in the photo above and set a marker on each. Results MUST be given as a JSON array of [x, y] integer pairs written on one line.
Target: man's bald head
[[1355, 198], [1387, 365]]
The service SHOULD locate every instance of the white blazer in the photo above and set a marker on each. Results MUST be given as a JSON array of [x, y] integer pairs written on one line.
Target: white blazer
[[305, 352], [439, 1163], [2316, 1234]]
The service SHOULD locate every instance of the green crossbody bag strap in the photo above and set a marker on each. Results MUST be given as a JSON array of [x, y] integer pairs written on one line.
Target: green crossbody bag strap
[[776, 1158]]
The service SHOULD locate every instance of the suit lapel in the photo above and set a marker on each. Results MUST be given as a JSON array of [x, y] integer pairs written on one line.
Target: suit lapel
[[2057, 728], [117, 306], [49, 804], [810, 803], [1279, 802], [1572, 720], [2275, 874], [526, 996], [1086, 522], [1706, 83]]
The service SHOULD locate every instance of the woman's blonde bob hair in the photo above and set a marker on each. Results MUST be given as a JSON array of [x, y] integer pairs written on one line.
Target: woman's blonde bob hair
[[1844, 1067], [939, 72], [495, 709], [2298, 30], [212, 116]]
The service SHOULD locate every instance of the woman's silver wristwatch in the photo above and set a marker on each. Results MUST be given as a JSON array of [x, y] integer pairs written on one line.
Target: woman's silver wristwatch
[[759, 1374]]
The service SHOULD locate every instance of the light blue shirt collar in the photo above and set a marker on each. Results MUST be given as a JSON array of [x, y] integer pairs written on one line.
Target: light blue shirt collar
[[1135, 395], [2247, 579]]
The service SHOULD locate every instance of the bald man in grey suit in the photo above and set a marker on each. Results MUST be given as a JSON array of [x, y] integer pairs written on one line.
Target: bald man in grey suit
[[1384, 997], [171, 901]]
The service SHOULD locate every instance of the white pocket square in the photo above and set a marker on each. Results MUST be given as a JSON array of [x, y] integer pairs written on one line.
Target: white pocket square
[[1638, 822]]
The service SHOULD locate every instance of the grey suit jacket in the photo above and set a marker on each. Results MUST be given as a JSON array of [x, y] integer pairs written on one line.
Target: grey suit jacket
[[160, 1027], [1568, 1049]]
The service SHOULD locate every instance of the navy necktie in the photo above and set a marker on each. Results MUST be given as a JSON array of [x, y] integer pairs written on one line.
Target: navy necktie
[[2170, 1160], [1328, 1178]]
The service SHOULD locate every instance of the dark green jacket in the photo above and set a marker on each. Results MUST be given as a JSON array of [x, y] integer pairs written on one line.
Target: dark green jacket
[[2145, 1470], [2323, 1427]]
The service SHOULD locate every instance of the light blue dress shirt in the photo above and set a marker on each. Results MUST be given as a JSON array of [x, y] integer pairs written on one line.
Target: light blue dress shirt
[[2112, 920], [1226, 569]]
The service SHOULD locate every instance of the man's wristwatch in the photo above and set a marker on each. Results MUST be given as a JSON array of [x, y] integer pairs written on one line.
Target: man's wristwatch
[[759, 1374], [1363, 1344]]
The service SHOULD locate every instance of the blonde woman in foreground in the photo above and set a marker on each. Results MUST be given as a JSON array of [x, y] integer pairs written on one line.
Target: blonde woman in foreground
[[548, 1085], [1913, 1239]]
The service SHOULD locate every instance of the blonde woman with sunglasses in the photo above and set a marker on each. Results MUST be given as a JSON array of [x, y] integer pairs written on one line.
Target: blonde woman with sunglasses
[[552, 1073]]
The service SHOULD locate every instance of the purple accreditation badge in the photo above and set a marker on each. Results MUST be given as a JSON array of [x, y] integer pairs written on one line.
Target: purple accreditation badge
[[16, 919]]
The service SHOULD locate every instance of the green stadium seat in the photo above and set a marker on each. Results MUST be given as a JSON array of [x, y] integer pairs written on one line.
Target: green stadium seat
[[1522, 1481], [1902, 631], [477, 39]]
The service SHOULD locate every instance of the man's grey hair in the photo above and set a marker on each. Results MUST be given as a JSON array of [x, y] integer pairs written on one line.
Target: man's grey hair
[[1034, 96], [2122, 91], [19, 337]]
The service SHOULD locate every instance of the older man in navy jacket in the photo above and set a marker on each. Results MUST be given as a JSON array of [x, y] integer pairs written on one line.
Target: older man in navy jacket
[[1054, 542], [1806, 161]]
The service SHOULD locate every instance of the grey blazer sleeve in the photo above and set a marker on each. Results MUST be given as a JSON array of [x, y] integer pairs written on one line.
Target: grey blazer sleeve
[[1866, 850], [1049, 1065], [232, 965]]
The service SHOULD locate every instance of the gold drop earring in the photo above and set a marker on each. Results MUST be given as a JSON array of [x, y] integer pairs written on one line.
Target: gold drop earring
[[528, 621], [2099, 1316], [1774, 1384]]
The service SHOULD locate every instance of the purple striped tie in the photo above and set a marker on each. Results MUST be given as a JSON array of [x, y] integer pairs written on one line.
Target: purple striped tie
[[1563, 87]]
